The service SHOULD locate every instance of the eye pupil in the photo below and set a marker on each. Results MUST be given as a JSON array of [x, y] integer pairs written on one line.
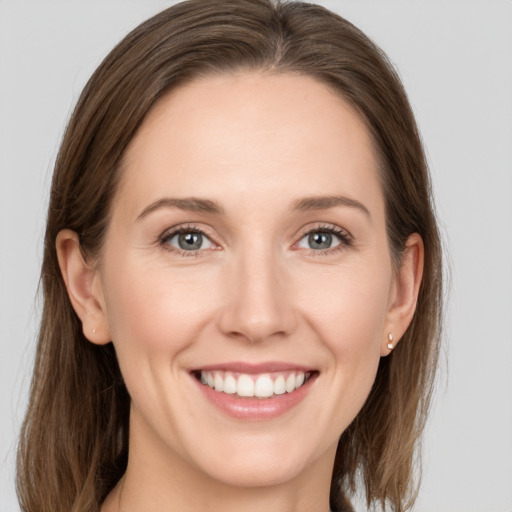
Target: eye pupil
[[190, 241], [320, 240]]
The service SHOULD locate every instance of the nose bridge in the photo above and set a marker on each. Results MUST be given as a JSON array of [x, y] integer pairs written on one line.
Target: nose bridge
[[258, 305]]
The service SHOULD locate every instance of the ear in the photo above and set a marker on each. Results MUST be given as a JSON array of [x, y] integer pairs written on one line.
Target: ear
[[84, 287], [404, 292]]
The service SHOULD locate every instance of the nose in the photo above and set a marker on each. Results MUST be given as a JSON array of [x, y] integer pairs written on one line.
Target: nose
[[258, 302]]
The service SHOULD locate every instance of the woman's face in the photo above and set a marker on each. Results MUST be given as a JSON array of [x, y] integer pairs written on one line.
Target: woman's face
[[247, 252]]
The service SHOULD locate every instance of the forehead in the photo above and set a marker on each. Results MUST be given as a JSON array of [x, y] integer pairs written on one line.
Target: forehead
[[253, 130]]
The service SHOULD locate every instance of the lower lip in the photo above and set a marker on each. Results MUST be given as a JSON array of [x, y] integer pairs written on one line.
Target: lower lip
[[256, 409]]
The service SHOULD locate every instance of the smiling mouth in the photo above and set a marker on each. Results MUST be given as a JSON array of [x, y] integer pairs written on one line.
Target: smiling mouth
[[261, 386]]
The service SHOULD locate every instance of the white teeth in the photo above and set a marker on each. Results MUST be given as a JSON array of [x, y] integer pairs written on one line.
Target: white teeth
[[230, 385], [264, 386], [245, 385], [260, 386], [218, 382], [290, 383], [279, 388]]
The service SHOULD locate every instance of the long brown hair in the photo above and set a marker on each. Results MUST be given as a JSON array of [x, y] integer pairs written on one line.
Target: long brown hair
[[74, 441]]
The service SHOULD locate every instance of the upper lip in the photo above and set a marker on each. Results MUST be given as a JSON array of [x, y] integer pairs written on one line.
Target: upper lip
[[254, 368]]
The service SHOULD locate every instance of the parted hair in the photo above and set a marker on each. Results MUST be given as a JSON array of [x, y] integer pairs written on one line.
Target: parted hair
[[73, 446]]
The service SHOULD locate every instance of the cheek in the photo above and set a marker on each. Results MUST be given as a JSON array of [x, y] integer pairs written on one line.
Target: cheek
[[150, 309], [349, 316], [154, 316], [349, 309]]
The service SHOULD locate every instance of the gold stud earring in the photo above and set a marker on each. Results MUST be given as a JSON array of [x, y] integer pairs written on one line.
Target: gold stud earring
[[94, 331], [390, 344]]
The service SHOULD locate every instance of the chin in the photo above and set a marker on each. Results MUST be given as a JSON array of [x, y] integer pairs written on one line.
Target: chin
[[257, 471], [264, 459]]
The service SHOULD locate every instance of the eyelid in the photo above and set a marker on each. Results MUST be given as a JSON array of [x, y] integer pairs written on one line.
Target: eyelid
[[171, 232], [325, 226], [345, 237]]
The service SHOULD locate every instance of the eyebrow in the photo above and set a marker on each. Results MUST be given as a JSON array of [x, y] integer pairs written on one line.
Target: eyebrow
[[190, 204], [325, 202], [195, 204]]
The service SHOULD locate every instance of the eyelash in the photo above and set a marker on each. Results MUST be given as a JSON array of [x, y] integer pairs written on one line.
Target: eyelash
[[169, 235], [346, 240]]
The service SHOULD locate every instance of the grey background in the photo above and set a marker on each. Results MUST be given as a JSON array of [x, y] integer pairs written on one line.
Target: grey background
[[455, 58]]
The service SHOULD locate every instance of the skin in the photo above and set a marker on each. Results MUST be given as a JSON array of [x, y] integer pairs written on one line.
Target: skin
[[256, 291]]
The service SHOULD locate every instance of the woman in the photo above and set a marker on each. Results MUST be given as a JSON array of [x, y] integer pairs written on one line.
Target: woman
[[242, 274]]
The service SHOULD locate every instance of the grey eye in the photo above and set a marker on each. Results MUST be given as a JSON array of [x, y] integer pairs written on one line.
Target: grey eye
[[319, 240], [190, 241]]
